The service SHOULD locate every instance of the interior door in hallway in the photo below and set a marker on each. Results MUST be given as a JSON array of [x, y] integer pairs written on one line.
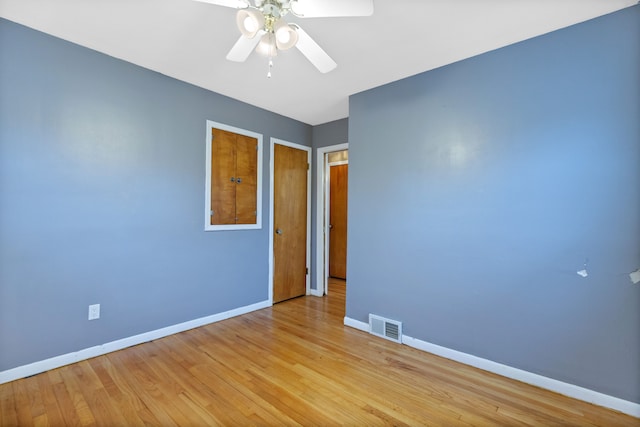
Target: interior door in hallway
[[338, 179], [290, 174]]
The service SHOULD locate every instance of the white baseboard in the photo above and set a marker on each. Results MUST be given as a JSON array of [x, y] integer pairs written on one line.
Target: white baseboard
[[87, 353], [316, 292], [570, 390], [363, 326]]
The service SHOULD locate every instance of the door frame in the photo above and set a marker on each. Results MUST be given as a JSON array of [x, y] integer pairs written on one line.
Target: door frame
[[272, 143], [322, 226]]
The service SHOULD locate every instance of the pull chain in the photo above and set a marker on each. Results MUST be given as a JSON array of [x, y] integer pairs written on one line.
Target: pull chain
[[270, 67]]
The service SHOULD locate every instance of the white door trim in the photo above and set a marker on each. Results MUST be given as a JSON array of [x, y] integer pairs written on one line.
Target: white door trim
[[273, 142], [322, 249]]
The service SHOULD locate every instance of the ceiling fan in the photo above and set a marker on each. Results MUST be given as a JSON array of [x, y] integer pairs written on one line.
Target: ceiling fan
[[264, 29]]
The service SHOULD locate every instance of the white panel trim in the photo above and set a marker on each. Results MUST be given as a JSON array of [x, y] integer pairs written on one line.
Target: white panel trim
[[99, 350], [322, 268], [273, 142], [570, 390], [207, 191]]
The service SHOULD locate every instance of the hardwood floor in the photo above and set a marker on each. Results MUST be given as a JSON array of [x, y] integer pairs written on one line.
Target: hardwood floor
[[292, 364]]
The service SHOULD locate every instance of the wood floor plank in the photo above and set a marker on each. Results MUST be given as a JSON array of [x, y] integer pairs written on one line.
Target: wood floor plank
[[51, 409], [8, 414], [22, 404], [67, 408], [293, 364], [74, 384]]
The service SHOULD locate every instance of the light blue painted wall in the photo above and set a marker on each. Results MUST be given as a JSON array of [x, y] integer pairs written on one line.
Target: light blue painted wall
[[324, 135], [477, 190], [102, 178]]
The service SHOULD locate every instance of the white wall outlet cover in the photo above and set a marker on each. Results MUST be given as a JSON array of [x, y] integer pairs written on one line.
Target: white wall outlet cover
[[582, 273], [94, 311], [635, 276]]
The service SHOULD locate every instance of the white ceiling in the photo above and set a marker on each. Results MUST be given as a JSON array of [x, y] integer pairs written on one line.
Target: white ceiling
[[188, 40]]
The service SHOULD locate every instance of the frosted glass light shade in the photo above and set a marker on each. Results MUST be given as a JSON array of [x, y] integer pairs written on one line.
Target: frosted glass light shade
[[267, 45], [249, 22], [286, 35]]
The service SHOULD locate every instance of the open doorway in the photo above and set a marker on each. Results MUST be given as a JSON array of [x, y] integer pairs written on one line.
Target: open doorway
[[337, 213], [328, 228]]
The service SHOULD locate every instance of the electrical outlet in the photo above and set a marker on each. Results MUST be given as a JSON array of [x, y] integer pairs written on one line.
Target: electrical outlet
[[94, 311]]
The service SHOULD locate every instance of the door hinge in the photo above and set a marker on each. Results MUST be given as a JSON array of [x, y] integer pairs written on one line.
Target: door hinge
[[210, 213], [307, 270], [307, 166]]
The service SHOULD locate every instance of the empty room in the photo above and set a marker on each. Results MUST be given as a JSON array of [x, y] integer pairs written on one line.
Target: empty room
[[320, 212]]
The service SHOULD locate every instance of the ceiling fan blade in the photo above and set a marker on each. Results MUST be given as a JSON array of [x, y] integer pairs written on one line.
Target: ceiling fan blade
[[236, 4], [314, 52], [331, 8], [243, 48]]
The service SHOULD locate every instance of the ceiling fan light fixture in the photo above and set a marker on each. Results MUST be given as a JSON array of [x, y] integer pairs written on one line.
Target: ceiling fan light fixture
[[267, 45], [264, 29], [286, 35], [249, 22]]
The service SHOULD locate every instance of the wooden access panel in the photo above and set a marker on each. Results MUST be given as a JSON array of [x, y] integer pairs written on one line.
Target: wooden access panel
[[246, 179], [338, 182], [223, 168], [234, 178], [289, 223]]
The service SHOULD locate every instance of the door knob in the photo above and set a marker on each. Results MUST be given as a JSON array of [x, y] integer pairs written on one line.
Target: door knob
[[278, 231]]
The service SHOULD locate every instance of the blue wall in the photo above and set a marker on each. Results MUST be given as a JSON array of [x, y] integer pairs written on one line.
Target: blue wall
[[477, 190], [102, 178]]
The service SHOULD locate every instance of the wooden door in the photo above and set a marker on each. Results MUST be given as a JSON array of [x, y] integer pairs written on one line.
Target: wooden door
[[338, 179], [289, 222]]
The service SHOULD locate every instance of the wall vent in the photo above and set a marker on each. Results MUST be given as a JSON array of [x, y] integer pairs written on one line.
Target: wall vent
[[385, 328]]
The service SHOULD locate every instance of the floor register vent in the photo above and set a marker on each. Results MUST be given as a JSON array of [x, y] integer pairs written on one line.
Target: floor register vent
[[385, 328]]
